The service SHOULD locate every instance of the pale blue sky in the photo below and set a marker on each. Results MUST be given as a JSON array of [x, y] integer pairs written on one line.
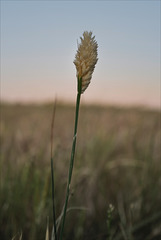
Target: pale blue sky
[[39, 42]]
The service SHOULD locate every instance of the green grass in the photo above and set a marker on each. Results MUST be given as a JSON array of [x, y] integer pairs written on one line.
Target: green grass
[[117, 162]]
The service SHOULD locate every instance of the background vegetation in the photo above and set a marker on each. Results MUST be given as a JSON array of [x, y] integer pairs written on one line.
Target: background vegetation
[[117, 162]]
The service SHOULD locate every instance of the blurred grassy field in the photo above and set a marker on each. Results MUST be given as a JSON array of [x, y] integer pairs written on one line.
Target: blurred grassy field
[[118, 162]]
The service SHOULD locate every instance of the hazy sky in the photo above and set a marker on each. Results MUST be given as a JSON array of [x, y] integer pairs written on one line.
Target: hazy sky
[[39, 43]]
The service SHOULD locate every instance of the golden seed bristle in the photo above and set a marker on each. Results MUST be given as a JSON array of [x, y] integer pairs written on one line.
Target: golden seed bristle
[[86, 59]]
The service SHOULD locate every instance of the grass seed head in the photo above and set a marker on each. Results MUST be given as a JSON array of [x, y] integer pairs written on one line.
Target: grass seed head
[[86, 59]]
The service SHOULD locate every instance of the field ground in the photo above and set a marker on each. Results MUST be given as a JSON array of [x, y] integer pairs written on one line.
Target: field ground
[[118, 162]]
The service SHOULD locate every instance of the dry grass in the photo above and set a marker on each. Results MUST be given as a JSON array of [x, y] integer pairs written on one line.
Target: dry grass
[[117, 161]]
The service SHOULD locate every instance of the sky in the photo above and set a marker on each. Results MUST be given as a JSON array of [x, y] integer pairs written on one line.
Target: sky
[[39, 43]]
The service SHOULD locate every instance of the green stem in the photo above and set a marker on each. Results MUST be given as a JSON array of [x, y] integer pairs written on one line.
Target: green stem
[[52, 172], [54, 218], [72, 156]]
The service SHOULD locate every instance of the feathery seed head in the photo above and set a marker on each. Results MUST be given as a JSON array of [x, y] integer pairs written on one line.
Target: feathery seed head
[[86, 59]]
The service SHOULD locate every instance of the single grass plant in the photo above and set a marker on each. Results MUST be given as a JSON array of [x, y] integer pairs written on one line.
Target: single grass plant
[[85, 61]]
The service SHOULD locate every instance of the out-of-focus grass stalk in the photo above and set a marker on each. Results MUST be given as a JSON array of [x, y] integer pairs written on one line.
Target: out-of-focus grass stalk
[[52, 172], [47, 230], [72, 155], [53, 198]]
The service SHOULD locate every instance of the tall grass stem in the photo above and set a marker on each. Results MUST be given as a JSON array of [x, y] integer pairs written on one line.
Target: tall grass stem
[[52, 172], [72, 157]]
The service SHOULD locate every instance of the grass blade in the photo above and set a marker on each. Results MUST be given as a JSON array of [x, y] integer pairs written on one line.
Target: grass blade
[[52, 171]]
